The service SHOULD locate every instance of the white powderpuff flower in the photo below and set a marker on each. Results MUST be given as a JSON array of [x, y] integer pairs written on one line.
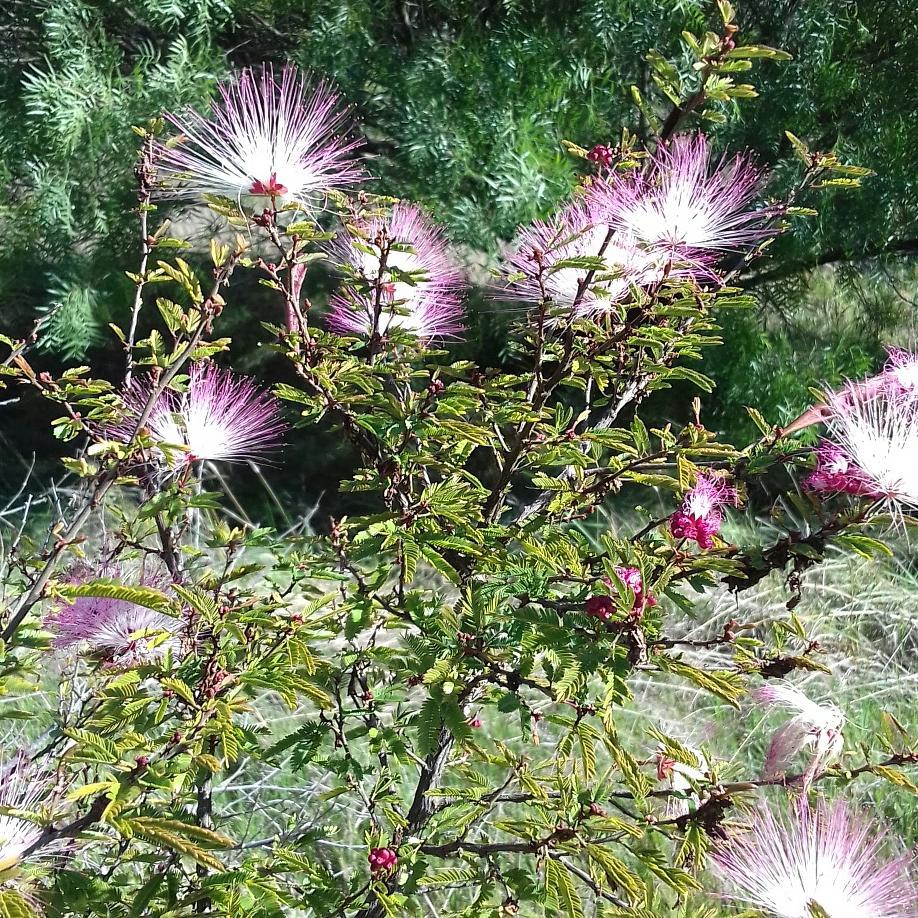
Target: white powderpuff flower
[[813, 727], [121, 634], [24, 787], [876, 429], [902, 369], [220, 417], [688, 207], [264, 139], [816, 862], [541, 253], [404, 261]]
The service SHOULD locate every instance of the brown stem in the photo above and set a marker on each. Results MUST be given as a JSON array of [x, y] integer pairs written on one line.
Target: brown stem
[[145, 173]]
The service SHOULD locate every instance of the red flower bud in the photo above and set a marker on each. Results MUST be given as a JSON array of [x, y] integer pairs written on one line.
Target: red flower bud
[[382, 861], [601, 155], [600, 607]]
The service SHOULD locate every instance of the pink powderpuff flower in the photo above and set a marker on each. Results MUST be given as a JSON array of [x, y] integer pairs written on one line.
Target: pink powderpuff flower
[[121, 633], [416, 283], [220, 417], [25, 786], [382, 861], [579, 231], [818, 861], [701, 514], [814, 727], [683, 208], [264, 139]]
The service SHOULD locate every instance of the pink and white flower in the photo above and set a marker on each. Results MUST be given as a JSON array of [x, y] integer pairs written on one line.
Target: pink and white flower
[[405, 278], [121, 633], [876, 432], [684, 208], [701, 514], [901, 369], [899, 377], [872, 435], [264, 139], [219, 417], [816, 728], [581, 230], [818, 861], [24, 787]]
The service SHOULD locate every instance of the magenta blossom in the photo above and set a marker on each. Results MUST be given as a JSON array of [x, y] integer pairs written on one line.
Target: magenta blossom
[[121, 633], [631, 578], [701, 514], [219, 417], [600, 606], [835, 473], [406, 278], [815, 728], [581, 230], [264, 139], [684, 208], [601, 155], [382, 861], [818, 861]]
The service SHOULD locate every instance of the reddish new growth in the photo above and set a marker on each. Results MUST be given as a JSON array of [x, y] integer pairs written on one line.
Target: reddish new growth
[[382, 861], [701, 514], [665, 766]]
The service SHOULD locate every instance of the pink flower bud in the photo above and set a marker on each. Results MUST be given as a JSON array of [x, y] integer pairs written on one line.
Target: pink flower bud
[[601, 607], [382, 861], [601, 155]]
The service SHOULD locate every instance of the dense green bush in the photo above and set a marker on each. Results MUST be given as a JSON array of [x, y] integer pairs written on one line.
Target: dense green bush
[[427, 706]]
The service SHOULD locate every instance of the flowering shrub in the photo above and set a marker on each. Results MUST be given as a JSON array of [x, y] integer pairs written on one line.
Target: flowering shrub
[[458, 658]]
